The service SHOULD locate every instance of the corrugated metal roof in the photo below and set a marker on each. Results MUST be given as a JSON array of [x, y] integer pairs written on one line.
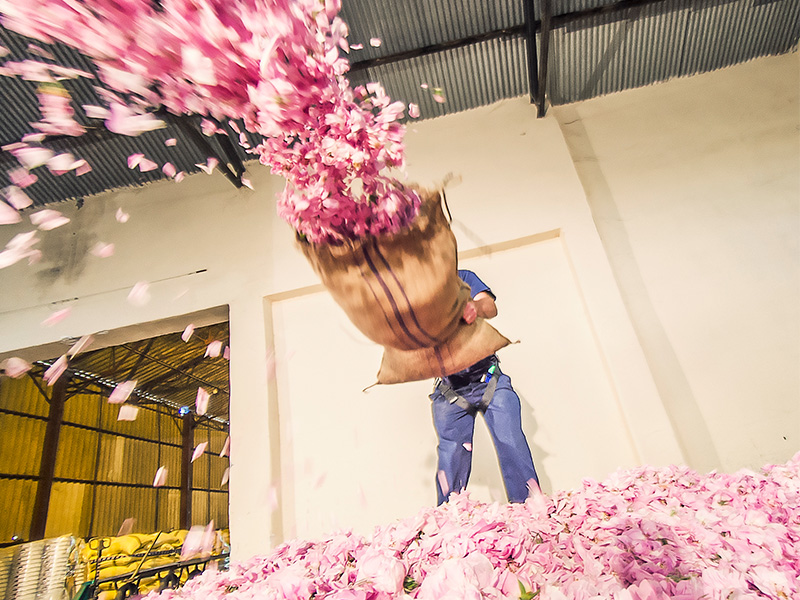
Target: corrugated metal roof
[[475, 51]]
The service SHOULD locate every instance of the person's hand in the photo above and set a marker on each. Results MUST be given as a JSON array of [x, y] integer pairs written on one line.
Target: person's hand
[[470, 313]]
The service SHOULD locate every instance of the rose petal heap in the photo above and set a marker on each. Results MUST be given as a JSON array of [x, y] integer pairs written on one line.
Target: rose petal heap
[[642, 534], [273, 64]]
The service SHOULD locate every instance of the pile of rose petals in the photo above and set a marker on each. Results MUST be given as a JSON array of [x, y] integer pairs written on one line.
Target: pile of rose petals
[[642, 534], [273, 65]]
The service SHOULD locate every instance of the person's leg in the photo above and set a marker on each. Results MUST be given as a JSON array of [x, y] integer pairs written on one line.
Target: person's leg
[[504, 421], [454, 426]]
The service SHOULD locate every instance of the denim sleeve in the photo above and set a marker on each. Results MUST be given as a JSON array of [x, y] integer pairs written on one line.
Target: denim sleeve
[[475, 284]]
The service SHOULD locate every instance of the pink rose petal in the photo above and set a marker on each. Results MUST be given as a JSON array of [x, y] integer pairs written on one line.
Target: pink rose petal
[[161, 477], [83, 168], [122, 216], [122, 392], [56, 370], [139, 294], [213, 349], [134, 160], [226, 474], [375, 42], [169, 170], [21, 177], [201, 402], [187, 333], [57, 317], [128, 412], [102, 250], [226, 447], [48, 219], [8, 214], [170, 142], [146, 165], [413, 110], [80, 345], [199, 450], [15, 367]]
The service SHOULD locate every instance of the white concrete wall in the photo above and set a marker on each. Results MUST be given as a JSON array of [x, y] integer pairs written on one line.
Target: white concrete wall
[[643, 247]]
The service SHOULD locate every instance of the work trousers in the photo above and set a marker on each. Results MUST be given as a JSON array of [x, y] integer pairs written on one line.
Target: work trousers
[[455, 426]]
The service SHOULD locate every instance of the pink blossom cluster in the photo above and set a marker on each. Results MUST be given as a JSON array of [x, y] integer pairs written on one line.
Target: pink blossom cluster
[[642, 534], [275, 65]]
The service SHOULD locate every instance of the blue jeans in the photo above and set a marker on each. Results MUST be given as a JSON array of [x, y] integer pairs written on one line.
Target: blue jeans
[[455, 426]]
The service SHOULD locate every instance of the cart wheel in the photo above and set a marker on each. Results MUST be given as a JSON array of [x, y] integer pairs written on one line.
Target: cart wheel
[[127, 590], [170, 582]]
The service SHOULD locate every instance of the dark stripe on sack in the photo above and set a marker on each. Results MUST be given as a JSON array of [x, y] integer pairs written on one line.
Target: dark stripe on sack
[[390, 298], [402, 291], [368, 283]]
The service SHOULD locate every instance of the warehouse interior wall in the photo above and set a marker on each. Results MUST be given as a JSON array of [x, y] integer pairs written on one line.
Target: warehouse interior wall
[[643, 247]]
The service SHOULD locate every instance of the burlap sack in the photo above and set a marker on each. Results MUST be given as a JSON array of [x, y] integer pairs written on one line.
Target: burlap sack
[[403, 292]]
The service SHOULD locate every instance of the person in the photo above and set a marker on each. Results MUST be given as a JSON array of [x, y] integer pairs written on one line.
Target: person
[[484, 388]]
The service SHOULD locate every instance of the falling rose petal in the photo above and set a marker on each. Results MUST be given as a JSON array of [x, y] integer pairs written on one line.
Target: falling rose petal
[[424, 86], [83, 168], [226, 354], [139, 294], [161, 477], [80, 345], [201, 402], [128, 412], [8, 214], [209, 166], [199, 450], [56, 370], [225, 476], [32, 157], [102, 250], [15, 367], [438, 95], [62, 163], [208, 128], [170, 142], [467, 446], [187, 333], [214, 348], [125, 120], [96, 112], [22, 178], [209, 537], [443, 482], [319, 481], [180, 176], [146, 165], [48, 219], [122, 216], [169, 170], [413, 110], [39, 51], [192, 543], [4, 51], [246, 183], [226, 447], [122, 392], [57, 317], [134, 159], [127, 527], [375, 42], [33, 138], [356, 46]]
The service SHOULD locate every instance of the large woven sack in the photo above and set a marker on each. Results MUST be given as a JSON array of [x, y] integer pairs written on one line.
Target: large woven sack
[[403, 292]]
